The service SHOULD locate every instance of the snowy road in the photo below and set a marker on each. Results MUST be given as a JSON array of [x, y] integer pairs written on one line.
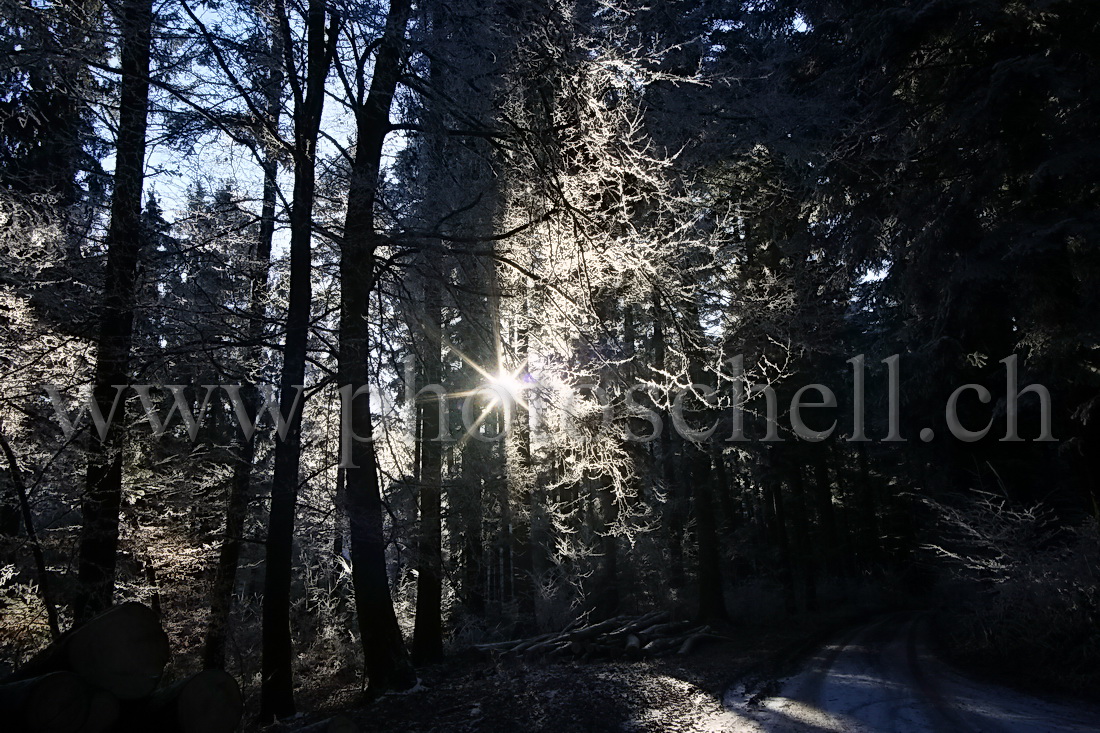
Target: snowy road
[[881, 677]]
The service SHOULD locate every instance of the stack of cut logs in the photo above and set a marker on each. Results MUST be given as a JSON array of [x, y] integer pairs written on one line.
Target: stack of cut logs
[[103, 677], [650, 635]]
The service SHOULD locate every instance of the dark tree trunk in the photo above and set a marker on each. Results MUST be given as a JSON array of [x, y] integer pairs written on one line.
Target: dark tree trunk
[[830, 546], [804, 546], [277, 691], [472, 545], [102, 500], [712, 604], [521, 487], [504, 545], [775, 503], [244, 449], [387, 660], [672, 520], [868, 510], [428, 630], [36, 548], [339, 514], [469, 497], [724, 486], [607, 593]]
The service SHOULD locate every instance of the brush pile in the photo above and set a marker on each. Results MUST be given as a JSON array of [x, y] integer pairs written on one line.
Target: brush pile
[[653, 634]]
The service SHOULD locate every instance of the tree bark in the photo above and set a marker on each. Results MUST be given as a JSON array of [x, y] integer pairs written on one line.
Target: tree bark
[[867, 506], [830, 545], [428, 629], [712, 604], [803, 543], [607, 594], [236, 509], [521, 482], [277, 690], [472, 543], [103, 498], [673, 516], [387, 660], [36, 547], [776, 505]]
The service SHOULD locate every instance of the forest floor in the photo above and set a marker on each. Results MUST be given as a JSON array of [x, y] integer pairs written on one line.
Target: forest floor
[[477, 692], [853, 671]]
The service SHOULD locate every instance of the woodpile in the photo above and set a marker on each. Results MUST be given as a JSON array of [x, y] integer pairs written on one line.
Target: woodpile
[[338, 724], [104, 677], [650, 635]]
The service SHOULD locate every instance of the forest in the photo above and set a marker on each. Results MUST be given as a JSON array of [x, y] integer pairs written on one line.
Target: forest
[[542, 364]]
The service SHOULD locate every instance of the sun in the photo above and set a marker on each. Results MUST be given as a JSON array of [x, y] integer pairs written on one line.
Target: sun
[[510, 383]]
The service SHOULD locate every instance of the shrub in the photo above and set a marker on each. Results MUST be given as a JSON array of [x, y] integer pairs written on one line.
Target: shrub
[[1030, 604]]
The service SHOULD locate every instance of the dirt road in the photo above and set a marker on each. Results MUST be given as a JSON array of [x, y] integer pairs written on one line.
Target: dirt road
[[882, 677]]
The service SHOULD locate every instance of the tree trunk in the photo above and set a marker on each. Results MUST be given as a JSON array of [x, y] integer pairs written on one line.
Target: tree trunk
[[277, 690], [607, 594], [712, 604], [428, 630], [521, 484], [775, 503], [830, 544], [236, 510], [103, 498], [673, 518], [387, 661], [32, 536], [803, 543], [868, 510], [724, 487], [472, 544]]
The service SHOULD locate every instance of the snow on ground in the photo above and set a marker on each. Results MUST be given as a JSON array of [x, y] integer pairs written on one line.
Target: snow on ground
[[881, 677]]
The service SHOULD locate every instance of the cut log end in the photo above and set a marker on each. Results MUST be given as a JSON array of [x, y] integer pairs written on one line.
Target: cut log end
[[123, 651], [103, 677], [103, 713], [209, 702], [53, 703]]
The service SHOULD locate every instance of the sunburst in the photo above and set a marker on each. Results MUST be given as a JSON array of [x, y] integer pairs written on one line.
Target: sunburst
[[503, 383]]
